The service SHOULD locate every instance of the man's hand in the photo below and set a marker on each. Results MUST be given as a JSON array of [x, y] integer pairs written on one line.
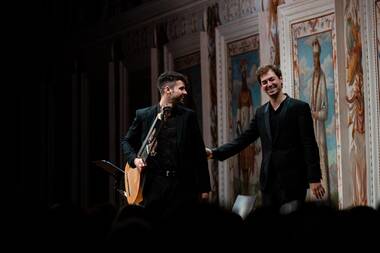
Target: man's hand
[[140, 165], [317, 189], [209, 153], [204, 196]]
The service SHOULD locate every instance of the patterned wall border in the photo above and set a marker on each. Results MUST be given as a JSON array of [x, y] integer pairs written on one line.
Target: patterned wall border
[[372, 103]]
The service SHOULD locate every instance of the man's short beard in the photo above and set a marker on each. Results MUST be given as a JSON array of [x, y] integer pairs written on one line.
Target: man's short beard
[[179, 100]]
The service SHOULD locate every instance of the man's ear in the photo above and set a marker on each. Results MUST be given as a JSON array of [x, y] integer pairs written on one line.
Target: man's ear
[[167, 89]]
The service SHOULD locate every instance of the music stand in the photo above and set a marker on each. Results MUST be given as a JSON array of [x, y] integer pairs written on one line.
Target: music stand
[[108, 166], [111, 169]]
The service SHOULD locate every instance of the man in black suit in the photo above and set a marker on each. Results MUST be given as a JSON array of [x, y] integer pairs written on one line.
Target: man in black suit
[[176, 171], [290, 157]]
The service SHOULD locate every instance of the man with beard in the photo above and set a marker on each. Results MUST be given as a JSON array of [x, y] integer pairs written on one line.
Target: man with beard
[[176, 172]]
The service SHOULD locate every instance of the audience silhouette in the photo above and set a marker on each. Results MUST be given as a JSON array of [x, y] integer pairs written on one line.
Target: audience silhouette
[[68, 226]]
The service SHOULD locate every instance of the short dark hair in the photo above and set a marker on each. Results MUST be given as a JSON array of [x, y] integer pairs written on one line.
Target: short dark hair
[[264, 69], [170, 77]]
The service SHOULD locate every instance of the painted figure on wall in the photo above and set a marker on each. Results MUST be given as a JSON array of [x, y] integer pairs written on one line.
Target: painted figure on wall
[[243, 99], [316, 82], [319, 109], [355, 101], [246, 160]]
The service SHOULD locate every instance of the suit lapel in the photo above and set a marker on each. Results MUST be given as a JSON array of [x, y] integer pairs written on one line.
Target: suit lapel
[[150, 116], [267, 123]]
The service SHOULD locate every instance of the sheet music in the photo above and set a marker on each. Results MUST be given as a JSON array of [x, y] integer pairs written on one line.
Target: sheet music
[[243, 205]]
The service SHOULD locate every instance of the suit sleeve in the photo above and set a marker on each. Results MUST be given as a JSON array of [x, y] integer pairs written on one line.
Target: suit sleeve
[[309, 143], [130, 143], [238, 144]]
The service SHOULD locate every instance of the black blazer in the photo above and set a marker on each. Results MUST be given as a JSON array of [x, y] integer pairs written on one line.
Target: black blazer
[[291, 155], [193, 166]]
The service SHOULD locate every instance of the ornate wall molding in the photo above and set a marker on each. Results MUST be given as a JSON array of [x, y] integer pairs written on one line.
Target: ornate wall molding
[[231, 10], [153, 11], [180, 19], [372, 94]]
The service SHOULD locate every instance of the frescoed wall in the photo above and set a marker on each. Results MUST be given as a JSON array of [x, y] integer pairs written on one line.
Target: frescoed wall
[[314, 82], [245, 97]]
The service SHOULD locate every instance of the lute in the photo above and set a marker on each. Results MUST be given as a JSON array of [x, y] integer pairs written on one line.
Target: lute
[[134, 179]]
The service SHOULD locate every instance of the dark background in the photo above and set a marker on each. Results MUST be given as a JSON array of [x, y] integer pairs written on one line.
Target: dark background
[[48, 41]]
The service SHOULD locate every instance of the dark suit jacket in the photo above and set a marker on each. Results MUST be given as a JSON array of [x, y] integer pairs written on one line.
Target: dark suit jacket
[[291, 155], [193, 166]]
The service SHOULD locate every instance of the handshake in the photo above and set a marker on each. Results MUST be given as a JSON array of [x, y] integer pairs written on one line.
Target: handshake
[[209, 153]]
